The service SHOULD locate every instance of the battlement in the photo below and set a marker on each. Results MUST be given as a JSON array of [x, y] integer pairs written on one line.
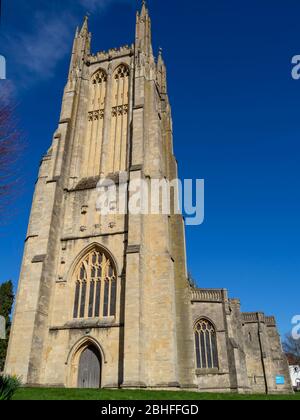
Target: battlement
[[270, 321], [255, 317], [112, 53]]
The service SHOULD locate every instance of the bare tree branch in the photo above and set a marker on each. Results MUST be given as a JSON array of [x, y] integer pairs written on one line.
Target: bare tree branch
[[11, 145], [292, 348]]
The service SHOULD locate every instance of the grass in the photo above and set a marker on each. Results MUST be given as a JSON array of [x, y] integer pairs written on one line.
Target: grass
[[120, 395]]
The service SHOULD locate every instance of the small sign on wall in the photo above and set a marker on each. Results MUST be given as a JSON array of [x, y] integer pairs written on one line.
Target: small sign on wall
[[280, 380], [2, 328]]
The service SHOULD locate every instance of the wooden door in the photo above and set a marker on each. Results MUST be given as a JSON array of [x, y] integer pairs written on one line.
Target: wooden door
[[89, 372]]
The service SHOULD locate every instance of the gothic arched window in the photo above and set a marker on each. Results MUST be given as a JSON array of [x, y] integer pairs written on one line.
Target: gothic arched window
[[96, 286], [206, 345]]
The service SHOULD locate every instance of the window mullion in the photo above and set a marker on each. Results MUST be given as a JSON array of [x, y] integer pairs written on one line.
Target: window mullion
[[109, 297], [211, 350], [200, 347], [88, 285], [206, 349], [102, 288], [95, 292]]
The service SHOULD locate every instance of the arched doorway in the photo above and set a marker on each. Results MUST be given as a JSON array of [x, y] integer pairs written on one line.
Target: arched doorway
[[89, 369]]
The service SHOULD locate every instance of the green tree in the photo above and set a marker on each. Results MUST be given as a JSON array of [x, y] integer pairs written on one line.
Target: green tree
[[6, 303]]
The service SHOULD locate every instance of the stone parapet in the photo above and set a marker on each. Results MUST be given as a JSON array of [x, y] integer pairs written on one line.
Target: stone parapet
[[209, 295]]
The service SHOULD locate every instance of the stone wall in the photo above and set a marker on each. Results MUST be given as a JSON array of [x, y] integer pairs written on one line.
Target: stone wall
[[264, 355]]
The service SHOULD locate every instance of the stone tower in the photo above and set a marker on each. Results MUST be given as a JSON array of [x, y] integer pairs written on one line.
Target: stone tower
[[104, 299], [107, 290]]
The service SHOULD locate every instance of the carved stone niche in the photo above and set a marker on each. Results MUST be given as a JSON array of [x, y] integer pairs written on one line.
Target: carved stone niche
[[61, 280], [84, 209]]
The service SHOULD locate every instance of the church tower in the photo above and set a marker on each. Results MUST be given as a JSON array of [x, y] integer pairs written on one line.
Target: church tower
[[103, 300]]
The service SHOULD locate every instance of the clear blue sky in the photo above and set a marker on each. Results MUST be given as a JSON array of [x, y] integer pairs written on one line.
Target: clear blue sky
[[236, 114]]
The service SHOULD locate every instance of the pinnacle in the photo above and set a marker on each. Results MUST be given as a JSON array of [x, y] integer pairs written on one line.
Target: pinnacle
[[85, 24], [144, 8]]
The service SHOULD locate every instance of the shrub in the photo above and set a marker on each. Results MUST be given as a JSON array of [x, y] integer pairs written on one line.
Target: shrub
[[8, 386]]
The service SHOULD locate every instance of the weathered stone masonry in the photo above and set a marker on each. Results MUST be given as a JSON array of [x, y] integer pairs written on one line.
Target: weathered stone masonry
[[104, 300]]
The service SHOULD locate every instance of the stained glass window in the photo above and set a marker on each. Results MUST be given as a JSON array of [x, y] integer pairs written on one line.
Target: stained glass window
[[206, 345], [96, 286]]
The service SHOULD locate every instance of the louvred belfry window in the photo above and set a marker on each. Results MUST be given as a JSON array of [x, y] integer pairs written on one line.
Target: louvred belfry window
[[95, 124], [96, 286], [119, 119]]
